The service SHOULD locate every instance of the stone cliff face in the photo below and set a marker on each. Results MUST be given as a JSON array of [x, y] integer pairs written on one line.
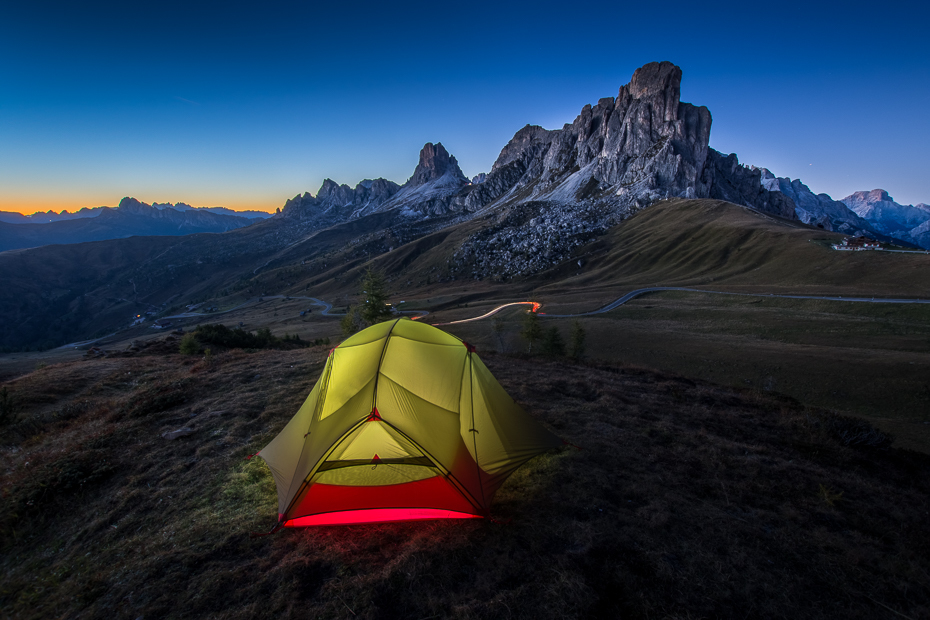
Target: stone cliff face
[[435, 163], [621, 154], [626, 152], [728, 180], [631, 149]]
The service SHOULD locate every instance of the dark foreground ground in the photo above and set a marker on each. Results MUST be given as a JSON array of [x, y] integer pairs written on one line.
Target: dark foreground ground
[[686, 500]]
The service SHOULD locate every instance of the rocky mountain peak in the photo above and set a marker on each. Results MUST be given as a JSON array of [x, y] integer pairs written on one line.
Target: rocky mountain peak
[[332, 193], [905, 222], [868, 197], [131, 205], [660, 81], [435, 162], [326, 190]]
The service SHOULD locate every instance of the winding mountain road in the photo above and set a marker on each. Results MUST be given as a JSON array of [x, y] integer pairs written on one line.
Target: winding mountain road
[[535, 306], [327, 307], [642, 291]]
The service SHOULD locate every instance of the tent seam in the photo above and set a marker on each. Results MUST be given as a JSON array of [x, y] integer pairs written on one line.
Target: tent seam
[[374, 392], [342, 437], [474, 431]]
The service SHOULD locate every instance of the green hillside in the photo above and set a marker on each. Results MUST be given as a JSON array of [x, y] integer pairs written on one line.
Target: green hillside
[[721, 245]]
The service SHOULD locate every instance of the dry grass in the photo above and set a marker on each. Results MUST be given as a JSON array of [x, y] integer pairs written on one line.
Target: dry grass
[[862, 359], [687, 500]]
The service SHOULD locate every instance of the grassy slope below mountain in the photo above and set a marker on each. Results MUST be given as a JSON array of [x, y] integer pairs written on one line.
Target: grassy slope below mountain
[[687, 499], [718, 245]]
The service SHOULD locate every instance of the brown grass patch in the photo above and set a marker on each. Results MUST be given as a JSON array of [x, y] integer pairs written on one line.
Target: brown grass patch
[[686, 500]]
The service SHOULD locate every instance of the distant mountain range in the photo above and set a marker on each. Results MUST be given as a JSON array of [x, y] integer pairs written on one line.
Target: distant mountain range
[[130, 218], [47, 217]]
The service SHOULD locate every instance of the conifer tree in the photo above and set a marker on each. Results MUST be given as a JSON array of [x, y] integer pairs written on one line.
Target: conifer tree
[[532, 330], [552, 343], [374, 307]]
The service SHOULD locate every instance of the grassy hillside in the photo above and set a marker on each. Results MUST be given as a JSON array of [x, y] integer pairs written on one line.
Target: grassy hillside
[[721, 245], [686, 500]]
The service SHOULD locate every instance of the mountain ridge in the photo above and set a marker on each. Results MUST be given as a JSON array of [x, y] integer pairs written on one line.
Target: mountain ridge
[[130, 218], [47, 217]]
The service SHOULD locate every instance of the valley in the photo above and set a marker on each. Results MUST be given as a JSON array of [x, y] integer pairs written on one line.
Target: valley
[[860, 358]]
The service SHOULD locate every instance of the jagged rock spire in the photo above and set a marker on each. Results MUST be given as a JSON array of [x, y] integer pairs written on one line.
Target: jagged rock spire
[[435, 162]]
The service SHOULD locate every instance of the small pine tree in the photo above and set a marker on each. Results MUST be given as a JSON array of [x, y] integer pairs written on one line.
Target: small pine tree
[[190, 345], [578, 340], [374, 307], [552, 342], [532, 330]]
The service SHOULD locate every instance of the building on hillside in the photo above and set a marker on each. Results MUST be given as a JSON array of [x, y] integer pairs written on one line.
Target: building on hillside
[[857, 244]]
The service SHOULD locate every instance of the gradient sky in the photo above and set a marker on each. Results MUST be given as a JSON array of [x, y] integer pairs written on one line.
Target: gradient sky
[[247, 104]]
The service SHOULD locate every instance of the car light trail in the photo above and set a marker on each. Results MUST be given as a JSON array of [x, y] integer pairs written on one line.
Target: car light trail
[[534, 308]]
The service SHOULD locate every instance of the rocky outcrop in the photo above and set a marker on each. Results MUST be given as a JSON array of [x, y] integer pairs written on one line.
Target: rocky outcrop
[[631, 149], [336, 203], [435, 183], [619, 155], [729, 180], [435, 163], [550, 189]]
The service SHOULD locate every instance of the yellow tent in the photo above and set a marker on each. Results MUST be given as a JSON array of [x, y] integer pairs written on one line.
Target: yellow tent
[[406, 422]]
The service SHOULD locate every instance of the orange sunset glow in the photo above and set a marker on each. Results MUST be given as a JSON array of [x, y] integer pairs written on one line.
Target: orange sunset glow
[[27, 205]]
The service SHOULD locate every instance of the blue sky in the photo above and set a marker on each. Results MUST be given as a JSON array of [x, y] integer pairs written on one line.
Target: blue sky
[[247, 104]]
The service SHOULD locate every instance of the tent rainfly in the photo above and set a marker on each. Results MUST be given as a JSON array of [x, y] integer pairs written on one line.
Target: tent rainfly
[[405, 423]]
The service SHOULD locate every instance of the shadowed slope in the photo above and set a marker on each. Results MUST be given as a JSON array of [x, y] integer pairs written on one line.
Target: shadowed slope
[[687, 498], [689, 242]]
